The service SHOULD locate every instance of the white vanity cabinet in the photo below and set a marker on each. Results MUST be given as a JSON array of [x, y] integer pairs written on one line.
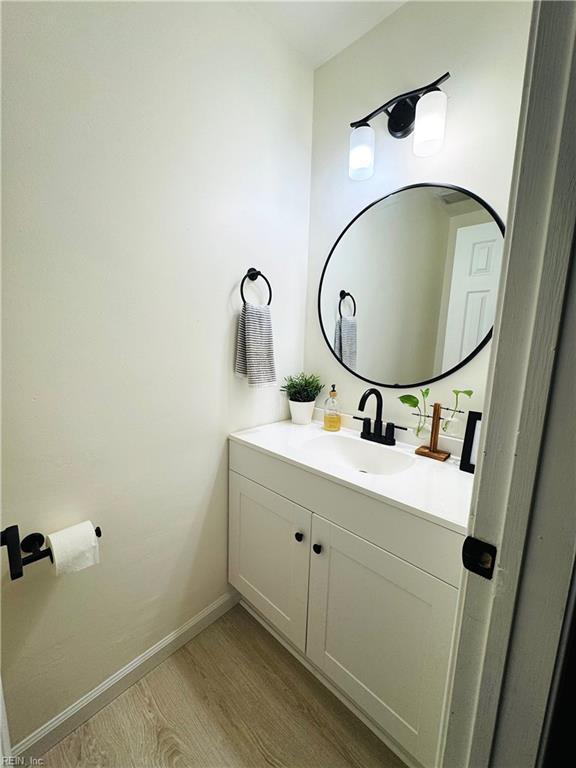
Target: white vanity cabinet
[[381, 629], [269, 555], [366, 591]]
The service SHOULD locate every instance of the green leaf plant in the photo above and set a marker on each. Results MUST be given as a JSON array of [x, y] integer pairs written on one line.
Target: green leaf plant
[[449, 419], [302, 388], [413, 402], [422, 407]]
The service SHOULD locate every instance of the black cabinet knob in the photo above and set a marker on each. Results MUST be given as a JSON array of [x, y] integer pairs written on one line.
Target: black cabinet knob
[[317, 548], [299, 536]]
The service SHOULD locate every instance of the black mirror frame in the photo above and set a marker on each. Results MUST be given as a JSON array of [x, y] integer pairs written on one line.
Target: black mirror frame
[[475, 351]]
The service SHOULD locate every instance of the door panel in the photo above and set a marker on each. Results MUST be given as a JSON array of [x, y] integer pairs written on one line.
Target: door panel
[[381, 629], [266, 562], [473, 290]]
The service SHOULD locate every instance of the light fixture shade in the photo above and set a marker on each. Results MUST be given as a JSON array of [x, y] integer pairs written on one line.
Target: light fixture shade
[[361, 160], [430, 123]]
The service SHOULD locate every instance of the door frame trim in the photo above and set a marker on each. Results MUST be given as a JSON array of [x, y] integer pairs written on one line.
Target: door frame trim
[[537, 256]]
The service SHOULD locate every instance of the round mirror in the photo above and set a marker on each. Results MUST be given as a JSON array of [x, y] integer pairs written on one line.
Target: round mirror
[[408, 292]]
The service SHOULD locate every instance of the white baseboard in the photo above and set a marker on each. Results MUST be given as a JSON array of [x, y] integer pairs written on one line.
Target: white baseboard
[[49, 734], [410, 761]]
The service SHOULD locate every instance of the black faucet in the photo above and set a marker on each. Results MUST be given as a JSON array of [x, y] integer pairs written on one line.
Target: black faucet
[[376, 436], [367, 433]]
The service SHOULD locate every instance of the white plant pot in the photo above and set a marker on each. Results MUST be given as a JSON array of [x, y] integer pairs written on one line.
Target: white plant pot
[[301, 412]]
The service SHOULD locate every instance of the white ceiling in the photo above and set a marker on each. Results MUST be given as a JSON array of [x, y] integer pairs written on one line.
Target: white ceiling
[[319, 30]]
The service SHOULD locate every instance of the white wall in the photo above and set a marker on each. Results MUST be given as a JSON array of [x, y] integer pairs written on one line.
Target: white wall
[[152, 152], [483, 45]]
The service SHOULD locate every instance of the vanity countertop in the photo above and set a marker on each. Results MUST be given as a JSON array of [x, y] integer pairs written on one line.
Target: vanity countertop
[[438, 491]]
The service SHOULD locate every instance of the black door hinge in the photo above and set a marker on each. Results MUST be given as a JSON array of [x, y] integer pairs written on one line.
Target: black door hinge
[[479, 557]]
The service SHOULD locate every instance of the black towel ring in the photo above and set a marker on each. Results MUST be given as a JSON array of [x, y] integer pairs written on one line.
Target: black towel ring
[[343, 295], [254, 274]]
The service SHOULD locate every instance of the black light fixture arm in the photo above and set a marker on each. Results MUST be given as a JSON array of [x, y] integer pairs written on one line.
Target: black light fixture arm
[[417, 92]]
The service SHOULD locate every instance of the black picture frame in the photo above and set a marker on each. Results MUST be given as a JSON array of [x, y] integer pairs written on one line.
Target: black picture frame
[[483, 342], [474, 417]]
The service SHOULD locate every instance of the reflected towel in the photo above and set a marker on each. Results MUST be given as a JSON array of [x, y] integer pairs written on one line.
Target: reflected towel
[[255, 346], [345, 341]]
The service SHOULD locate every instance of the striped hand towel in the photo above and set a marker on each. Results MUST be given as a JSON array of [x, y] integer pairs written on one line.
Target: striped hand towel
[[255, 346], [345, 341]]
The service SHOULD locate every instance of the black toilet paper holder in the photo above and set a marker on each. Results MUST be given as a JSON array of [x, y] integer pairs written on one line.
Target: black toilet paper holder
[[31, 545]]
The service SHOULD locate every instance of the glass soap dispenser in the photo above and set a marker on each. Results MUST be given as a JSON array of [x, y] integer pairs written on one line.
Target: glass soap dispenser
[[332, 418]]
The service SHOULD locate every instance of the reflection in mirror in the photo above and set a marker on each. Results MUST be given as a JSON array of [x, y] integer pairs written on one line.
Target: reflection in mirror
[[409, 290]]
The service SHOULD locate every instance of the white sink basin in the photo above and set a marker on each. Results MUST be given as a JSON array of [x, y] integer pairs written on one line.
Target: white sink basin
[[356, 454], [436, 490]]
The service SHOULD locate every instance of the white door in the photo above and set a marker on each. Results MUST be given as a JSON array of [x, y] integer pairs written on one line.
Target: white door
[[512, 625], [269, 542], [473, 290], [381, 629]]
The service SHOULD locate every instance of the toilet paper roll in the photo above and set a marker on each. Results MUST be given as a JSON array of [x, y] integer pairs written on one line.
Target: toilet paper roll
[[74, 548]]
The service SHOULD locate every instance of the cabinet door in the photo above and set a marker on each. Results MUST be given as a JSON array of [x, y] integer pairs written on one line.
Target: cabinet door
[[381, 629], [269, 555]]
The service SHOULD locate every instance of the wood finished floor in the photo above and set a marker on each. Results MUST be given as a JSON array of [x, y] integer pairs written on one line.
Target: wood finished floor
[[233, 697]]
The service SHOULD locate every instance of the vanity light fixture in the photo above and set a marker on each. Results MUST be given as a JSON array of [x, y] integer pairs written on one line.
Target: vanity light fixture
[[430, 123], [361, 162], [422, 110]]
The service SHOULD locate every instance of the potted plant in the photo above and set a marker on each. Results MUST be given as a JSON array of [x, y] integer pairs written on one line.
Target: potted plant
[[302, 391], [452, 422], [422, 430]]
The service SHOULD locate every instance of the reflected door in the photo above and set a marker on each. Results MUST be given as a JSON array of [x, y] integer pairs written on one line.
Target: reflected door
[[473, 291]]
